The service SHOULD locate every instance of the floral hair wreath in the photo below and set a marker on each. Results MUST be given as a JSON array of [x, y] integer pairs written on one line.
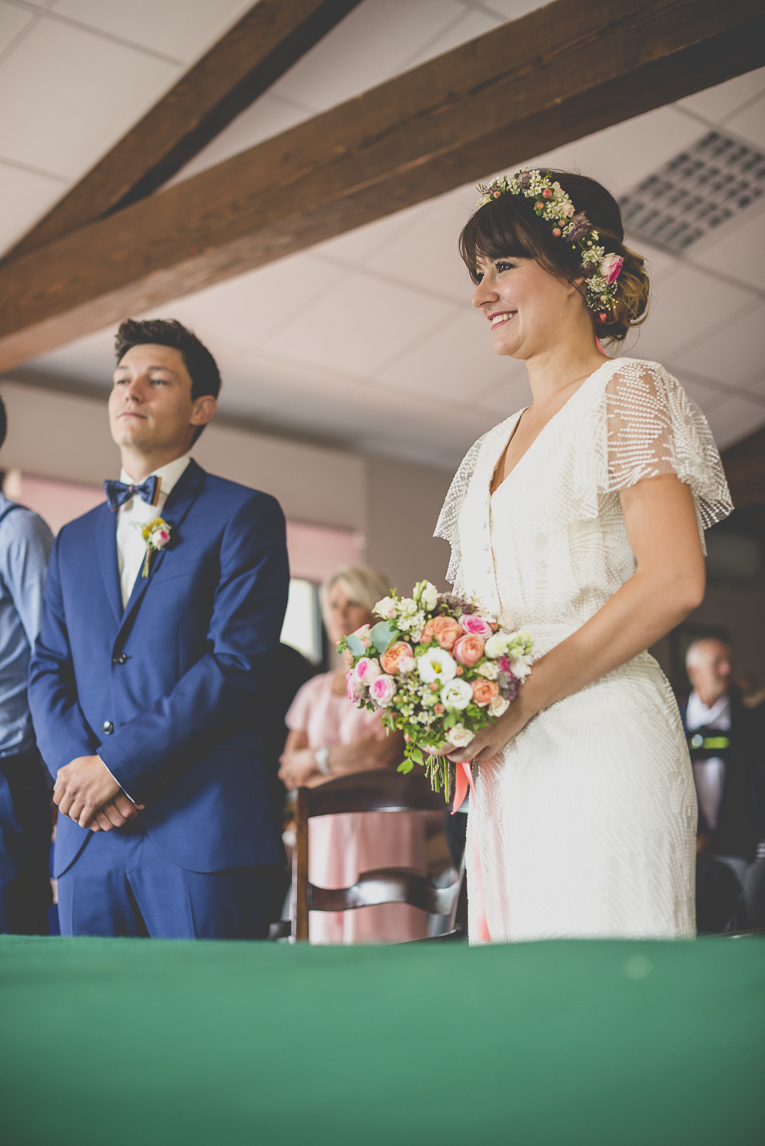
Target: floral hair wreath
[[553, 204]]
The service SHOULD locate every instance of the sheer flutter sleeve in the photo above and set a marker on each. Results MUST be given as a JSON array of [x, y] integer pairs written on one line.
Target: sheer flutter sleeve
[[447, 526], [654, 428]]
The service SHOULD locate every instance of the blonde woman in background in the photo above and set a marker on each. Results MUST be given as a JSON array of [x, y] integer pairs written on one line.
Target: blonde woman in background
[[329, 737]]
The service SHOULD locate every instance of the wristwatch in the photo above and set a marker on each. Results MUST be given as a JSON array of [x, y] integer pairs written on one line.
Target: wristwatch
[[321, 756]]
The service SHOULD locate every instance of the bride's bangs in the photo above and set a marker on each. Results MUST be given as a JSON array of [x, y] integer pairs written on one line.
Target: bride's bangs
[[498, 230]]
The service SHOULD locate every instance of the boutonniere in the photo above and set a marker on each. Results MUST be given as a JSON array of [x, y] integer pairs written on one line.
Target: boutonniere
[[156, 535]]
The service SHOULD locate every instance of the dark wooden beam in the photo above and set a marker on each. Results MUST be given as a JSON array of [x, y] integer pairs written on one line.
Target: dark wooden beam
[[745, 470], [553, 76], [248, 59]]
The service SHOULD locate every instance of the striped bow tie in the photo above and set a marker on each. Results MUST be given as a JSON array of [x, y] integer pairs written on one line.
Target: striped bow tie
[[117, 493]]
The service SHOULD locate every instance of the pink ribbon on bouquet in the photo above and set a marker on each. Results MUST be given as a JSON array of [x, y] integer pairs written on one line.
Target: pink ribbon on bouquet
[[463, 779]]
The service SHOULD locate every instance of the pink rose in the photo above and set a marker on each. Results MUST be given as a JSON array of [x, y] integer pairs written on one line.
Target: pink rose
[[382, 690], [407, 664], [363, 635], [484, 691], [469, 649], [472, 623], [393, 655], [353, 686], [161, 538], [367, 670], [610, 266]]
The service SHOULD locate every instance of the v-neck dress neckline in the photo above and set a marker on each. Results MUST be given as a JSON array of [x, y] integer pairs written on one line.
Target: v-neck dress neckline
[[541, 433]]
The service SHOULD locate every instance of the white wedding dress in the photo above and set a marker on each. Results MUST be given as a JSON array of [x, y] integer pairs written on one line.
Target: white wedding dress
[[585, 825]]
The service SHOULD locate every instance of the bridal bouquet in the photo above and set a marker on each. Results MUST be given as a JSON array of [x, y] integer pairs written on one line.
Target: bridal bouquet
[[439, 668]]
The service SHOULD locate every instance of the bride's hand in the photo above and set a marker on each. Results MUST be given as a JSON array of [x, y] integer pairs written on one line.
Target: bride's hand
[[491, 740]]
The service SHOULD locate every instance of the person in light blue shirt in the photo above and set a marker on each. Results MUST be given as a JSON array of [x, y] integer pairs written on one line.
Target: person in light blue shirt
[[25, 820]]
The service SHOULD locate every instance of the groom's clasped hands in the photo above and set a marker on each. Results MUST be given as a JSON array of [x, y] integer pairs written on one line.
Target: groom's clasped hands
[[87, 793]]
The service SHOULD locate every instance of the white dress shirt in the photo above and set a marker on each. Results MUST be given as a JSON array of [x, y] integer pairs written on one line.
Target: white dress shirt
[[709, 774], [133, 515]]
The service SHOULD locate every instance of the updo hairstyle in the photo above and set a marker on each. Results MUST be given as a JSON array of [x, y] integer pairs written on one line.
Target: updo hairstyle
[[507, 227]]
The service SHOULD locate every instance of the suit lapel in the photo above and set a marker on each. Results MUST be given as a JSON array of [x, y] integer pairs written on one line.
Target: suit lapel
[[178, 504], [106, 544]]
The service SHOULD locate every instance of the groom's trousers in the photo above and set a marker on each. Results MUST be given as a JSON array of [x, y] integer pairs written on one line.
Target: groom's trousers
[[121, 885]]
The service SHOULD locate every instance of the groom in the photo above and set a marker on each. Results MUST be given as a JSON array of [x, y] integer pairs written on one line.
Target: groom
[[146, 679]]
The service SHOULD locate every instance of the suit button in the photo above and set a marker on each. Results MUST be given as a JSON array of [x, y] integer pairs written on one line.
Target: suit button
[[119, 659], [107, 727]]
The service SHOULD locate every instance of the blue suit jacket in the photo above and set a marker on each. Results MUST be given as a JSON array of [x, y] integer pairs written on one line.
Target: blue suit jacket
[[176, 674]]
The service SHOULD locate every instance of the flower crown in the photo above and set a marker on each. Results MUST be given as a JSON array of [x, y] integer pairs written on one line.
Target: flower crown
[[553, 204]]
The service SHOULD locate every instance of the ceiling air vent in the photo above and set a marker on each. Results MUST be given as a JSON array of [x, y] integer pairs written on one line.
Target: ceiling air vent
[[705, 185]]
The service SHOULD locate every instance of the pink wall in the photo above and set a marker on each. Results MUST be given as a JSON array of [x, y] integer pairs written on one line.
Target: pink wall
[[315, 550]]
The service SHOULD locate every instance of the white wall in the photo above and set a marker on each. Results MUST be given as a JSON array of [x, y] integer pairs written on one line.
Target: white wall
[[393, 504]]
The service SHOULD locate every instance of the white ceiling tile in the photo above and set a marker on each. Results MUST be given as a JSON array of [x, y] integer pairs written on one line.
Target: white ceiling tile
[[12, 21], [425, 253], [365, 49], [266, 117], [240, 312], [684, 306], [658, 263], [66, 96], [455, 363], [757, 385], [25, 195], [511, 393], [180, 28], [750, 122], [733, 354], [358, 245], [739, 252], [622, 155], [468, 27], [357, 325], [723, 99], [734, 419]]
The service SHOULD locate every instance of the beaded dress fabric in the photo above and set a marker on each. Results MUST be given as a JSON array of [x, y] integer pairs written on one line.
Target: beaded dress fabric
[[585, 824]]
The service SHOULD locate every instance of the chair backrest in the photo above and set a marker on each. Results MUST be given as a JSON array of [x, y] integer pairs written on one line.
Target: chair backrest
[[380, 791]]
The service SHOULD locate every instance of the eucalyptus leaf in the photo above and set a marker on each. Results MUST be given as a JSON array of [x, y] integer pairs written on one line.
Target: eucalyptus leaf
[[382, 635], [355, 645]]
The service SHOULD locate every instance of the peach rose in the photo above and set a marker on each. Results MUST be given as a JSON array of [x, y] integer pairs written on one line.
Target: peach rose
[[484, 691], [445, 630], [468, 650], [392, 656]]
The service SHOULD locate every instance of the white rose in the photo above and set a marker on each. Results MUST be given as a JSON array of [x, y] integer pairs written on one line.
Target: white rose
[[498, 705], [496, 646], [436, 665], [386, 608], [460, 737], [505, 621], [489, 670], [456, 694], [429, 597]]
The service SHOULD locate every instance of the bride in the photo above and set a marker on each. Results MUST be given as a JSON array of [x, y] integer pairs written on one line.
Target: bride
[[583, 516]]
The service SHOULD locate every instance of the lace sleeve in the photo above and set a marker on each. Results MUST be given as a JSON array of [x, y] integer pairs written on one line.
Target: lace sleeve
[[653, 428], [447, 526]]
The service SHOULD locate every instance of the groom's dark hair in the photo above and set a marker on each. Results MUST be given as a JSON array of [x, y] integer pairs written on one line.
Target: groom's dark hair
[[202, 367]]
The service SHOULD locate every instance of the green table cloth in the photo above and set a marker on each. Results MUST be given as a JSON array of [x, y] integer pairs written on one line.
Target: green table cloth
[[138, 1042]]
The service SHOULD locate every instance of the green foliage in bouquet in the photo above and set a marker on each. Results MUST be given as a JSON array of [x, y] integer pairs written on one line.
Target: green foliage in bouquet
[[438, 669]]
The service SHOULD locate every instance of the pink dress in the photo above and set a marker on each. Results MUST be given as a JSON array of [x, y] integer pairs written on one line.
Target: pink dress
[[341, 847]]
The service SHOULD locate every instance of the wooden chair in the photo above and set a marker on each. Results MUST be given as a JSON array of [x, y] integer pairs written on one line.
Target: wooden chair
[[379, 791]]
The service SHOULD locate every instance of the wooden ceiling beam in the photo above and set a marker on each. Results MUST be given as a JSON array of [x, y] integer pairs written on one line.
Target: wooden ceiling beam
[[553, 76], [244, 63]]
